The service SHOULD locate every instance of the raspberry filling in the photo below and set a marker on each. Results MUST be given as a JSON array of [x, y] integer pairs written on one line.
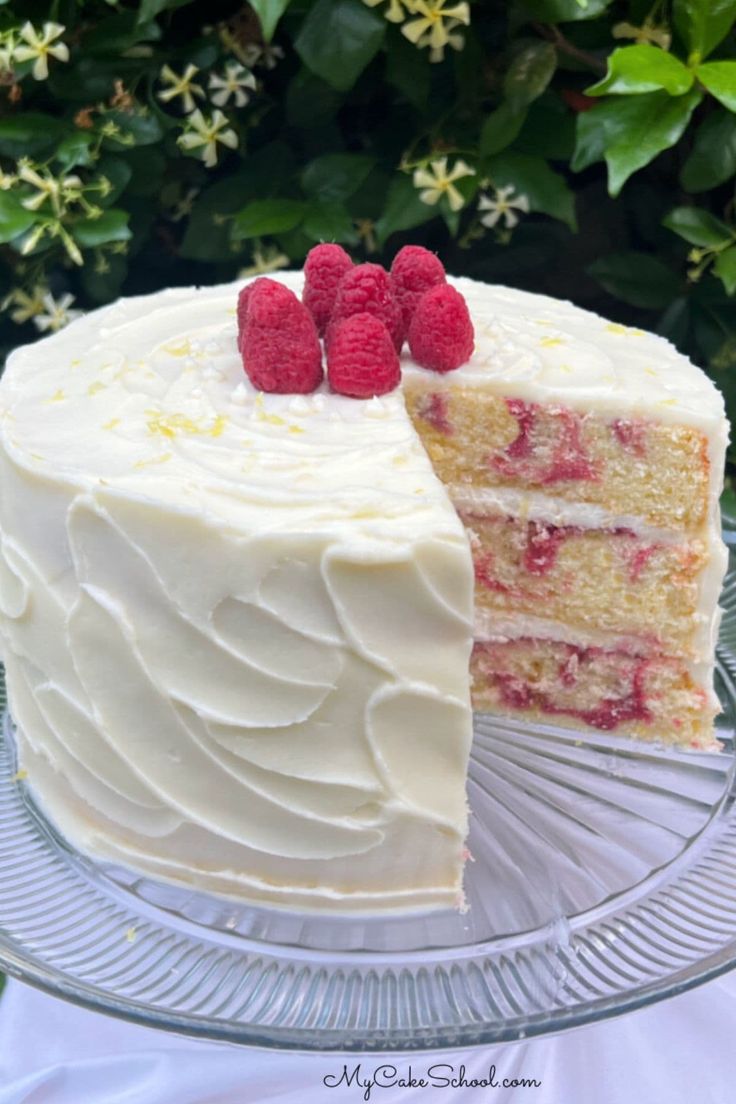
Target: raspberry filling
[[545, 451], [434, 409], [586, 672]]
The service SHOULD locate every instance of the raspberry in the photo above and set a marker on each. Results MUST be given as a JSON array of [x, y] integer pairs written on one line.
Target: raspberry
[[323, 269], [244, 300], [366, 288], [362, 360], [441, 333], [413, 272], [279, 343]]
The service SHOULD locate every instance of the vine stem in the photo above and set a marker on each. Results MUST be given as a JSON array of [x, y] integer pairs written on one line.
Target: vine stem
[[554, 35]]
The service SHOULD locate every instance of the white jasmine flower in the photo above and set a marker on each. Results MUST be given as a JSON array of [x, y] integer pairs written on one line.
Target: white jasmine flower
[[503, 205], [180, 86], [234, 83], [47, 187], [7, 49], [434, 25], [437, 182], [41, 47], [395, 13], [648, 34], [265, 56], [56, 314], [206, 133], [437, 53], [265, 260], [27, 304], [185, 206]]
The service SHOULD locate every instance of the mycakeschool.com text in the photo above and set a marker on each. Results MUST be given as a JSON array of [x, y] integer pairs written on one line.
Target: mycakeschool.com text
[[365, 1080]]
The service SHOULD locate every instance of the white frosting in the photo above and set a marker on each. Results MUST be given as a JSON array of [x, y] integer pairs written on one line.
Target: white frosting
[[550, 351], [237, 627], [222, 613]]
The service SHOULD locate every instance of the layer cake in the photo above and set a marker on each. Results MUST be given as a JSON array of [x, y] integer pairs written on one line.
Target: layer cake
[[243, 633]]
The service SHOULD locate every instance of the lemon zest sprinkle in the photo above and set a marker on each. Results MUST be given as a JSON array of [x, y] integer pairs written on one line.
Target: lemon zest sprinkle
[[111, 424], [179, 348], [262, 416], [169, 425], [153, 460]]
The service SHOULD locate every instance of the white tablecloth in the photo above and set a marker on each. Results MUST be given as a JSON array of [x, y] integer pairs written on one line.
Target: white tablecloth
[[679, 1052]]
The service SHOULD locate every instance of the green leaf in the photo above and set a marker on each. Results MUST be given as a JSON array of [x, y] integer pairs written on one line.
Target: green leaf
[[75, 150], [117, 33], [330, 222], [548, 130], [725, 269], [208, 232], [336, 175], [147, 167], [268, 216], [310, 102], [338, 39], [713, 157], [500, 129], [719, 77], [141, 129], [674, 324], [407, 70], [697, 226], [529, 74], [111, 226], [403, 210], [30, 134], [546, 190], [91, 78], [149, 9], [269, 12], [105, 286], [702, 24], [14, 218], [561, 11], [637, 278], [635, 69], [118, 172], [630, 132]]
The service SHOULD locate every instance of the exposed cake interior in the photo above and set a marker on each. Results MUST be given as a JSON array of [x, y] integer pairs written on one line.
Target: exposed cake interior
[[591, 511]]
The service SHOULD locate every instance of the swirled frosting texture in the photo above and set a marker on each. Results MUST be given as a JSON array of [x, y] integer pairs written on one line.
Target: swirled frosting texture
[[236, 627]]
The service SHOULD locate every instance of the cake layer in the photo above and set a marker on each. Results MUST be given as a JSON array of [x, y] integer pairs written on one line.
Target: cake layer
[[605, 579], [651, 696], [656, 471]]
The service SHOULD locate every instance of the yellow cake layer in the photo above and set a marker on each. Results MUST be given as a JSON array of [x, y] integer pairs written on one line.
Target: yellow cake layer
[[654, 698], [656, 472], [591, 579]]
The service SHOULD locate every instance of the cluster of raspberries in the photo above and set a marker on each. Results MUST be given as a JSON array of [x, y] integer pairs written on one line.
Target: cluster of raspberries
[[364, 315]]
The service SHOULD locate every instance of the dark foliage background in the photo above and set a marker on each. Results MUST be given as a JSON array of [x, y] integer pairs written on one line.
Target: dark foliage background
[[609, 127]]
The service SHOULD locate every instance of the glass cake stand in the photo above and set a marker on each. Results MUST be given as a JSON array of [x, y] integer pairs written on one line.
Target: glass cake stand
[[603, 879]]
